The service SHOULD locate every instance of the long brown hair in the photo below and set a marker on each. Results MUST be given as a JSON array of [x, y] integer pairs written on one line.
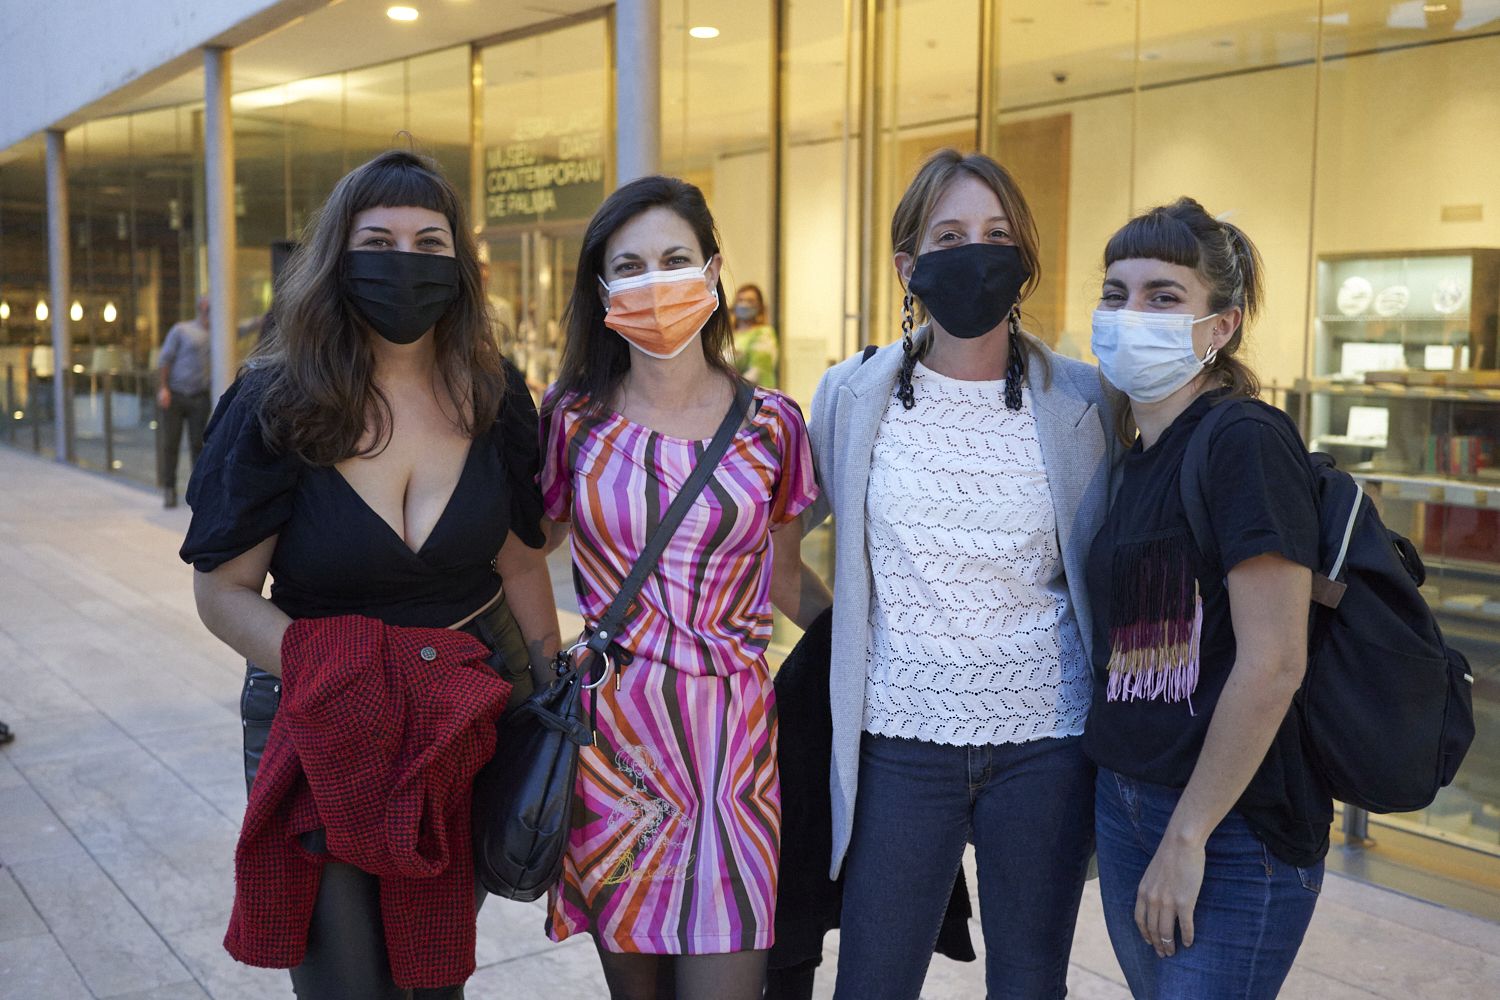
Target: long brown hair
[[321, 399], [594, 357], [914, 213]]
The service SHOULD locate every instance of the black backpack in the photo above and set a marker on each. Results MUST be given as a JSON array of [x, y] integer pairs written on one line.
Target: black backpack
[[1386, 705]]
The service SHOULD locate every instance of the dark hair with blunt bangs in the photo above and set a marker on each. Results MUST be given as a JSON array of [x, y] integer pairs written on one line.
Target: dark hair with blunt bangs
[[321, 400], [595, 358], [1183, 233], [914, 214]]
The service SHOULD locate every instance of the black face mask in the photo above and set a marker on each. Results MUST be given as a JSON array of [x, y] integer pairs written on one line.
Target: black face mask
[[969, 289], [402, 295]]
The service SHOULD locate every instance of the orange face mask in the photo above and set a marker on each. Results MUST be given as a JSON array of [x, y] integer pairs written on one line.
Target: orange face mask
[[660, 312]]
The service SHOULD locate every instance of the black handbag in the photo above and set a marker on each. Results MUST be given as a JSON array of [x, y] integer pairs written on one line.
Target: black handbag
[[523, 797]]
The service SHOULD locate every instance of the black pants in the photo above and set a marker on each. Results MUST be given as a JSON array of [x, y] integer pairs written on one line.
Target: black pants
[[191, 407], [346, 956]]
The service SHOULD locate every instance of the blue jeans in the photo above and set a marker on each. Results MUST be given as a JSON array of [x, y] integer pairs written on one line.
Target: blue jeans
[[1027, 807], [1251, 914]]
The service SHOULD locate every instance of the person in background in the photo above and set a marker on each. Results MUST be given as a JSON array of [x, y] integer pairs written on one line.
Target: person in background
[[1212, 824], [755, 349], [185, 376]]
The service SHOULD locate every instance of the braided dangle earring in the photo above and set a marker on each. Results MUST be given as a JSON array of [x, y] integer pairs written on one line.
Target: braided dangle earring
[[1015, 368], [904, 391]]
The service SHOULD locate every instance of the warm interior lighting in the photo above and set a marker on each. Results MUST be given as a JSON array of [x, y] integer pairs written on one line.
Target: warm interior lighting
[[4, 310], [76, 312], [704, 31], [1434, 8], [401, 13], [19, 414], [110, 312], [78, 369], [42, 312]]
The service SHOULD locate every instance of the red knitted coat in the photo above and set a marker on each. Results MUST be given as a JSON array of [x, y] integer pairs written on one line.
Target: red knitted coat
[[377, 739]]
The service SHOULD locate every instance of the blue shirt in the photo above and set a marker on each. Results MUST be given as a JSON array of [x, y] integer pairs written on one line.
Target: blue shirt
[[185, 355]]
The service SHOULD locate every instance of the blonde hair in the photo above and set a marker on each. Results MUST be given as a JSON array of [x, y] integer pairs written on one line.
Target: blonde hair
[[914, 213]]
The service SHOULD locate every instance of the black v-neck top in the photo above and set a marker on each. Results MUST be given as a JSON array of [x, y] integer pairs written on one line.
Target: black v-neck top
[[334, 554]]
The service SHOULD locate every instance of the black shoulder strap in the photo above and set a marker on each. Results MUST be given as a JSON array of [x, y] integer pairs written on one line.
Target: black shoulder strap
[[1194, 475], [603, 636]]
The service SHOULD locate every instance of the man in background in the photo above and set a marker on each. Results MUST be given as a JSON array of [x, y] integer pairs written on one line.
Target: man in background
[[185, 378]]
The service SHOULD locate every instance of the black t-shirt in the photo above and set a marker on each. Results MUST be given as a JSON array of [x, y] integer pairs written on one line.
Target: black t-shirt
[[1149, 716], [335, 555]]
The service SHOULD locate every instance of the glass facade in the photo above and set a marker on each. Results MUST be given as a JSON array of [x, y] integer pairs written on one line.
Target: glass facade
[[1353, 140], [26, 364]]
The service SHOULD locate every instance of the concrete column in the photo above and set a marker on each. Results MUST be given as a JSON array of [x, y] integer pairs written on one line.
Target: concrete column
[[637, 89], [218, 171], [60, 281]]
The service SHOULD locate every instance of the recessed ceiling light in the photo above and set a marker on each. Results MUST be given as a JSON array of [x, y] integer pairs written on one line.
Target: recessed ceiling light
[[4, 310], [704, 31], [401, 13], [1434, 8], [76, 312]]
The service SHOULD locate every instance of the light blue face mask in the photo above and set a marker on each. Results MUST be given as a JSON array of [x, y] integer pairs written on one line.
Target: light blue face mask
[[1147, 355]]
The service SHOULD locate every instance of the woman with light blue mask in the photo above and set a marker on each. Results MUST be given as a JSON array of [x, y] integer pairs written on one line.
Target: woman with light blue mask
[[1211, 823]]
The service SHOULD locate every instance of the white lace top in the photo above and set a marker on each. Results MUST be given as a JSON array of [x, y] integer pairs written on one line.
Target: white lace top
[[972, 636]]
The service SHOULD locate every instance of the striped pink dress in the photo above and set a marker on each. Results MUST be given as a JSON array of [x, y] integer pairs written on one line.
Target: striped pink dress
[[677, 817]]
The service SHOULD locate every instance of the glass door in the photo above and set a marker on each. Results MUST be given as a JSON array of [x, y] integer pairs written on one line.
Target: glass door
[[543, 170]]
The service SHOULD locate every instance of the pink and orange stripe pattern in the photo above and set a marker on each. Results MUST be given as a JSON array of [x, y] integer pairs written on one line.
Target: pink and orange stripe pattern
[[677, 814]]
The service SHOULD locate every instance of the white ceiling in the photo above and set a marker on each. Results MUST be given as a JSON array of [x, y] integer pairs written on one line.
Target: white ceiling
[[715, 92]]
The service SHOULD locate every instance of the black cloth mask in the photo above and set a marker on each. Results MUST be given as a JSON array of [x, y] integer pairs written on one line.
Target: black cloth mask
[[402, 295], [969, 289]]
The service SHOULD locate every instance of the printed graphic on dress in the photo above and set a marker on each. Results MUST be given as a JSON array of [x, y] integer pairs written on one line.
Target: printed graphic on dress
[[645, 813]]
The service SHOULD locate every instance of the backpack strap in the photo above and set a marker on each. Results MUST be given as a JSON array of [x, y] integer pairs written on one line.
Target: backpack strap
[[1193, 474], [1327, 589]]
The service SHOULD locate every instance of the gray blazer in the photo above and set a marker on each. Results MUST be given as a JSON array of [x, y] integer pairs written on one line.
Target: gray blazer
[[1075, 423]]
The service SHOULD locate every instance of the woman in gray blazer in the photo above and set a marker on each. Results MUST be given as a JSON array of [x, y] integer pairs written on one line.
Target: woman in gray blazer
[[968, 468]]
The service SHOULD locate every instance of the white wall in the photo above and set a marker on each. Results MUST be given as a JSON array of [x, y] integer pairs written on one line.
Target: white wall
[[814, 265], [741, 207], [1414, 131], [57, 58], [1400, 135]]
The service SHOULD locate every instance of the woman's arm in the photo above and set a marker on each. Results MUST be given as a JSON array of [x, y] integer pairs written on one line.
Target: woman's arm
[[1268, 601], [528, 591], [556, 532], [795, 589], [230, 603]]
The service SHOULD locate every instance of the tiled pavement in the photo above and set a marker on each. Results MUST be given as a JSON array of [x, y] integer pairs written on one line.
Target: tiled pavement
[[121, 798]]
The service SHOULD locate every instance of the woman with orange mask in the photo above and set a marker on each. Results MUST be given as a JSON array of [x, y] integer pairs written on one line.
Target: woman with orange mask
[[672, 858]]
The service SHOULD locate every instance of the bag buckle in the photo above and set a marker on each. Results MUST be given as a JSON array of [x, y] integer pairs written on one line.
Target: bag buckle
[[609, 664]]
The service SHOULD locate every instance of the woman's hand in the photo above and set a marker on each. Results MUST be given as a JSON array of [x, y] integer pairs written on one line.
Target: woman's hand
[[1268, 601], [1168, 894], [796, 590]]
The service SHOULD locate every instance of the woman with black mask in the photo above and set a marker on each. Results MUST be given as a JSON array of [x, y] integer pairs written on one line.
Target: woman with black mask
[[968, 469], [377, 457]]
